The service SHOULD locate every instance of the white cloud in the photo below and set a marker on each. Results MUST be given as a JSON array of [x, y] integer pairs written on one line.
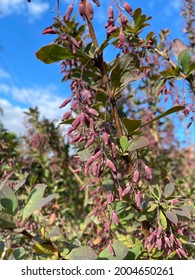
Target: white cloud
[[4, 74], [45, 99], [22, 7], [13, 117]]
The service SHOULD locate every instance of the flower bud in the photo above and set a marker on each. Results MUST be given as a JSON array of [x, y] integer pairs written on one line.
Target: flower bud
[[97, 2], [68, 12], [111, 166], [65, 102], [111, 30], [90, 141], [76, 122], [159, 244], [81, 11], [49, 30], [136, 176], [111, 250], [122, 37], [115, 218], [128, 8], [93, 112], [87, 96], [113, 150], [159, 231], [148, 172], [66, 116], [138, 198], [126, 191], [90, 10], [76, 138], [105, 138], [110, 12]]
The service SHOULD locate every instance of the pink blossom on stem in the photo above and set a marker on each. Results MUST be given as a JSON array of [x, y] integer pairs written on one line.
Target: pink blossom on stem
[[159, 231], [138, 198], [81, 11], [111, 250], [115, 218], [148, 172], [159, 244], [68, 12], [65, 102], [97, 2], [113, 150], [49, 30], [105, 138], [66, 116], [90, 10], [136, 176], [93, 112], [120, 191], [126, 191], [111, 166], [128, 8], [90, 141], [76, 122], [110, 12]]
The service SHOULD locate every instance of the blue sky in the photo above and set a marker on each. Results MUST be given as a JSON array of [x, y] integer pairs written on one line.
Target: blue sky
[[27, 82]]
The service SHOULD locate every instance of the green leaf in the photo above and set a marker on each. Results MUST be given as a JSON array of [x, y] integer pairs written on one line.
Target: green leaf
[[177, 47], [18, 254], [53, 53], [8, 200], [168, 112], [152, 207], [45, 248], [138, 143], [82, 253], [133, 253], [6, 220], [120, 250], [184, 60], [169, 189], [158, 85], [131, 125], [124, 71], [171, 215], [124, 143], [137, 15], [163, 220], [36, 201], [101, 96], [191, 68], [169, 73], [84, 154]]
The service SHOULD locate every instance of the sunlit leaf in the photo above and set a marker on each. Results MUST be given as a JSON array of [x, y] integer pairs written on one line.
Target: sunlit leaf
[[82, 253], [124, 142], [53, 53], [163, 220], [171, 215], [6, 220], [178, 46], [138, 143], [124, 71], [168, 112], [184, 60], [120, 251], [8, 200], [169, 189], [131, 125]]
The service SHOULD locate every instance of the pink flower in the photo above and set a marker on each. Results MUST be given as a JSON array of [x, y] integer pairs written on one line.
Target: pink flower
[[148, 172], [136, 176], [128, 8], [113, 150], [65, 102], [49, 30], [90, 141], [68, 12], [90, 10], [105, 138], [115, 218], [110, 12], [66, 116], [111, 166], [111, 250], [97, 2], [159, 231], [126, 191]]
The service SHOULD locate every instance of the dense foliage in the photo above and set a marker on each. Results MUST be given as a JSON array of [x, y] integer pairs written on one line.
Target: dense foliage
[[111, 181]]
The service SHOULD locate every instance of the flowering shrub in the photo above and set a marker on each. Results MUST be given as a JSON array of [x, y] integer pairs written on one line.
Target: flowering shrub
[[127, 191]]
